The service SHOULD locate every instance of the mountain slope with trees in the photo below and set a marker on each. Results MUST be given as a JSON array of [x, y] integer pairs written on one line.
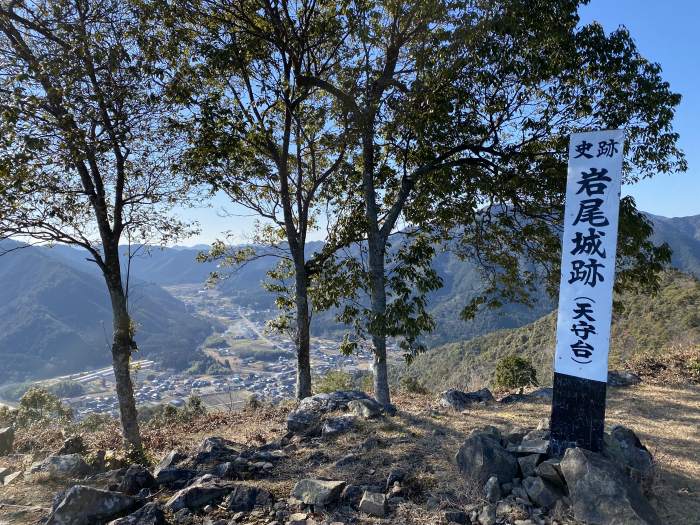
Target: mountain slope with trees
[[461, 282], [645, 326], [55, 319]]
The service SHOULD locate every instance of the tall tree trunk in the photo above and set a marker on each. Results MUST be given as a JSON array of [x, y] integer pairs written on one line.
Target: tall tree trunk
[[378, 304], [303, 336], [376, 244], [121, 357]]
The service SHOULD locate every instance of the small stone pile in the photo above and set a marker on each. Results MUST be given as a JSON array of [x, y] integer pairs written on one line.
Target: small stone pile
[[211, 481], [311, 416], [524, 485]]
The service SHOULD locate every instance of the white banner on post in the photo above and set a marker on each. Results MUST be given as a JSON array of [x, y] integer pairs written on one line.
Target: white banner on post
[[588, 254]]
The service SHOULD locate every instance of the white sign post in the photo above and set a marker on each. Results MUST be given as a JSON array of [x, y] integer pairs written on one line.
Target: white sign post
[[585, 292]]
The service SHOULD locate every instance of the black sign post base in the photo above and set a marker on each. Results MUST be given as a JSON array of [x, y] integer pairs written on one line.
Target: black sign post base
[[578, 414]]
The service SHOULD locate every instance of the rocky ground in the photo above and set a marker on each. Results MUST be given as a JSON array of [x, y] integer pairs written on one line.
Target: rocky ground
[[338, 459]]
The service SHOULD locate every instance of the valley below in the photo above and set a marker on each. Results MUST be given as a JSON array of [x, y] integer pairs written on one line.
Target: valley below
[[238, 360]]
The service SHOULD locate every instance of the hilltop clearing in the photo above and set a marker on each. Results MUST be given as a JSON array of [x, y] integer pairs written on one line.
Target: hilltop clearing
[[416, 446]]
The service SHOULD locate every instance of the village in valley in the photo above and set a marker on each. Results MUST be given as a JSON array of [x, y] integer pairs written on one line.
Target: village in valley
[[255, 362]]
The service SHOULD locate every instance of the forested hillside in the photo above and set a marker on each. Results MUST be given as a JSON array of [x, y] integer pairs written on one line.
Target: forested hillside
[[644, 325], [56, 319]]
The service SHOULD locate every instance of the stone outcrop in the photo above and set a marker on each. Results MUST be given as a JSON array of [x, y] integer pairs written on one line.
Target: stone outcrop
[[65, 466], [81, 505], [7, 440], [307, 417], [318, 492], [482, 455], [373, 503], [149, 514], [135, 479], [365, 408], [199, 493], [523, 483], [601, 492], [458, 400], [244, 498], [337, 425], [624, 447], [620, 378]]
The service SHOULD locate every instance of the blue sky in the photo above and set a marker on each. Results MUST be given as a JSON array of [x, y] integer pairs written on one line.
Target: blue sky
[[665, 32]]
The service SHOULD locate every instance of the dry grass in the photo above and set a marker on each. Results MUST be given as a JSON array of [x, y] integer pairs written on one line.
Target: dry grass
[[422, 441]]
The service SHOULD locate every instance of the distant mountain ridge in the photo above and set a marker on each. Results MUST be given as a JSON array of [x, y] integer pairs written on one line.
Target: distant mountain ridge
[[54, 302], [683, 235]]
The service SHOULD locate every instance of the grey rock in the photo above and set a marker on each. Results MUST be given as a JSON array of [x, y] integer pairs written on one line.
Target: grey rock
[[544, 393], [7, 440], [528, 464], [171, 459], [602, 493], [216, 445], [347, 459], [306, 418], [174, 476], [459, 400], [532, 446], [337, 425], [317, 491], [72, 445], [624, 447], [244, 498], [541, 492], [167, 472], [211, 452], [9, 478], [456, 516], [492, 490], [537, 434], [149, 514], [482, 456], [228, 470], [621, 378], [487, 516], [136, 478], [374, 504], [199, 493], [519, 493], [62, 467], [515, 436], [83, 505], [365, 408], [549, 470], [351, 495], [513, 398], [304, 422]]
